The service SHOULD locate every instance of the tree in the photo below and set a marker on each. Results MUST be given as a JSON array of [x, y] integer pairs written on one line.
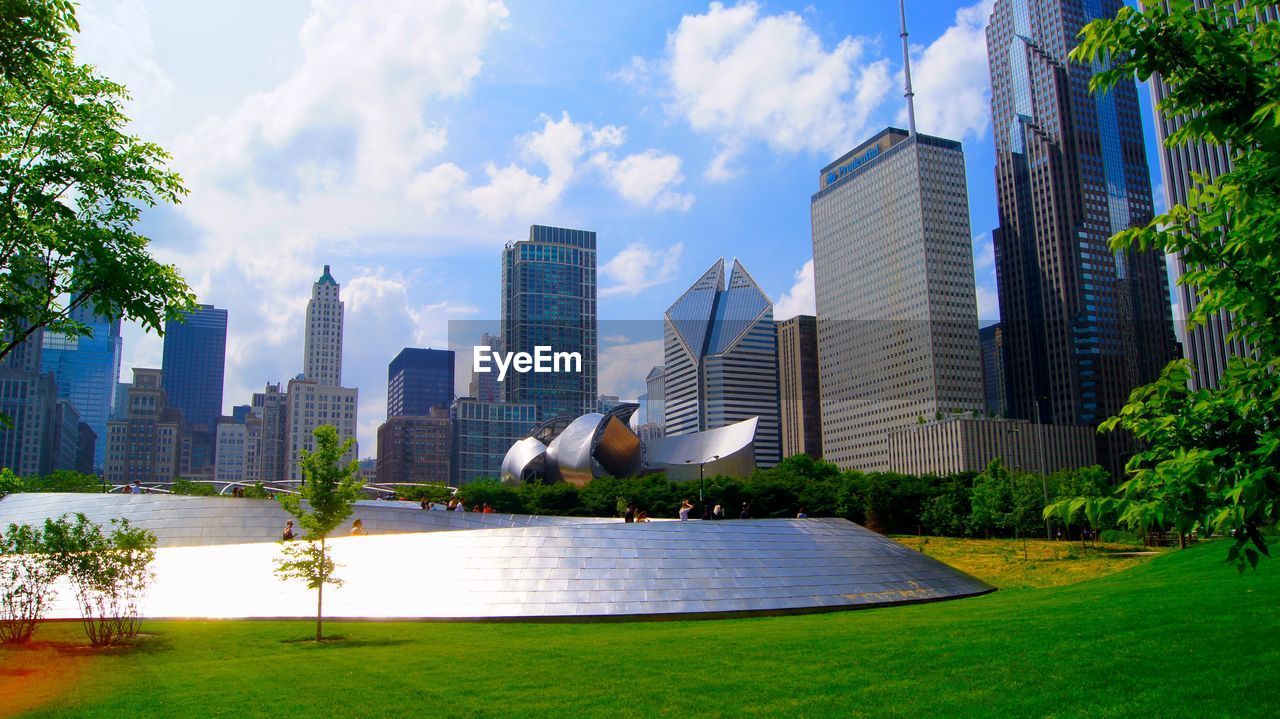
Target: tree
[[110, 573], [27, 574], [73, 185], [192, 489], [10, 483], [63, 480], [991, 505], [1211, 456], [329, 490]]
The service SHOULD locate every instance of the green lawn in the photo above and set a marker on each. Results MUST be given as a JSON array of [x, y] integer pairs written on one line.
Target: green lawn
[[1034, 563], [1177, 636]]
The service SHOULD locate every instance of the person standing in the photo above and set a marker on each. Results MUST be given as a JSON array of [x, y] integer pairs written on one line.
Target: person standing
[[746, 511], [685, 506], [357, 528], [630, 515], [287, 535], [718, 512]]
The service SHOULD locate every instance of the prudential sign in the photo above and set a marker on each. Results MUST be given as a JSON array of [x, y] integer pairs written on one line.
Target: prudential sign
[[853, 164]]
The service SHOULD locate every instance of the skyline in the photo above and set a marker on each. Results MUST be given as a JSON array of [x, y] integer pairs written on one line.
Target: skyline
[[348, 136]]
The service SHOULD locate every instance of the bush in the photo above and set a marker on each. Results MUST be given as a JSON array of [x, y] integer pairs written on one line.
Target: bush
[[64, 480], [109, 572], [192, 489], [10, 483], [27, 573], [1116, 536], [438, 493], [257, 491]]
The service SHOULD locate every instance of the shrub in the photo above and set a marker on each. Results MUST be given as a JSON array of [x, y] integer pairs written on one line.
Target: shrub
[[109, 573], [27, 573], [10, 483], [63, 480], [192, 489]]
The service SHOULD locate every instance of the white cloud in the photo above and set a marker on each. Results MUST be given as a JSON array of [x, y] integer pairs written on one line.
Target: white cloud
[[646, 179], [988, 304], [122, 47], [639, 267], [799, 300], [740, 75], [984, 254], [608, 136], [951, 78], [623, 367]]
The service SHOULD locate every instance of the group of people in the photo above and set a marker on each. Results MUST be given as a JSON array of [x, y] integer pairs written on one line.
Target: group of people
[[455, 505], [635, 514]]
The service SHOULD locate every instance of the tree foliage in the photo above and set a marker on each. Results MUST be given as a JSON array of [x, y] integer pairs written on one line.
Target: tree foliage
[[10, 483], [73, 185], [63, 480], [27, 574], [329, 491], [1211, 456], [189, 488], [109, 572]]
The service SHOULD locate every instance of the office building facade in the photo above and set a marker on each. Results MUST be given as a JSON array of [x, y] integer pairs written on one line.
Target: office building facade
[[482, 434], [549, 300], [1082, 325], [28, 397], [195, 354], [969, 443], [419, 380], [720, 359], [146, 444], [992, 343], [1210, 345], [484, 385], [318, 397], [893, 280], [87, 370], [416, 449], [799, 399], [267, 455]]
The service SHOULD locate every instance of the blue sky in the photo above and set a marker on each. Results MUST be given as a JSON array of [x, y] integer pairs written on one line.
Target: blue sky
[[404, 142]]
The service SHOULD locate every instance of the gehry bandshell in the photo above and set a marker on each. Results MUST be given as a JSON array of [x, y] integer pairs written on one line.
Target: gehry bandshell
[[603, 444]]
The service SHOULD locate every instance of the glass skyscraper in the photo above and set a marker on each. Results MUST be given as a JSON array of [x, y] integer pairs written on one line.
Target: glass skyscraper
[[1082, 325], [417, 380], [721, 363], [87, 370], [549, 300], [893, 287], [195, 354]]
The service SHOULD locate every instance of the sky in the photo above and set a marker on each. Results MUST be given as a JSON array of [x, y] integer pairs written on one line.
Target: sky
[[404, 142]]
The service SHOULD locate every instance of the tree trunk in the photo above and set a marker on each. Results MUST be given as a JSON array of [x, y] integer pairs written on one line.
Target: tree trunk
[[320, 597]]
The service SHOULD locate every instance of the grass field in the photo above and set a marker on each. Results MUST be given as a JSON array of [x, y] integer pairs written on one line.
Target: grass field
[[1015, 564], [1180, 635]]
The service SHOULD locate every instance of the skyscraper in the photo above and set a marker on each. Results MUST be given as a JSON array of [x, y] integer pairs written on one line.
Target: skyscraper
[[417, 380], [87, 370], [1082, 325], [145, 445], [317, 397], [416, 448], [1210, 345], [893, 277], [799, 399], [720, 354], [482, 434], [549, 300], [28, 397], [322, 343], [484, 385], [195, 352], [992, 342]]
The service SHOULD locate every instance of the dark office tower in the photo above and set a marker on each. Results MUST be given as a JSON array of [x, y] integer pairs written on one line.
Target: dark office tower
[[799, 401], [1082, 325], [992, 344], [549, 300], [195, 354], [417, 380], [484, 385], [1210, 345]]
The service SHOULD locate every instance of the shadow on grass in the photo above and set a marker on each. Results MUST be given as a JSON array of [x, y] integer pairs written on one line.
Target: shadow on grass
[[342, 642], [141, 644]]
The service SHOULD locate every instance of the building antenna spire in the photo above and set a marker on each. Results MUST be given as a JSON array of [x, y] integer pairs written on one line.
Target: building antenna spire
[[906, 70]]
